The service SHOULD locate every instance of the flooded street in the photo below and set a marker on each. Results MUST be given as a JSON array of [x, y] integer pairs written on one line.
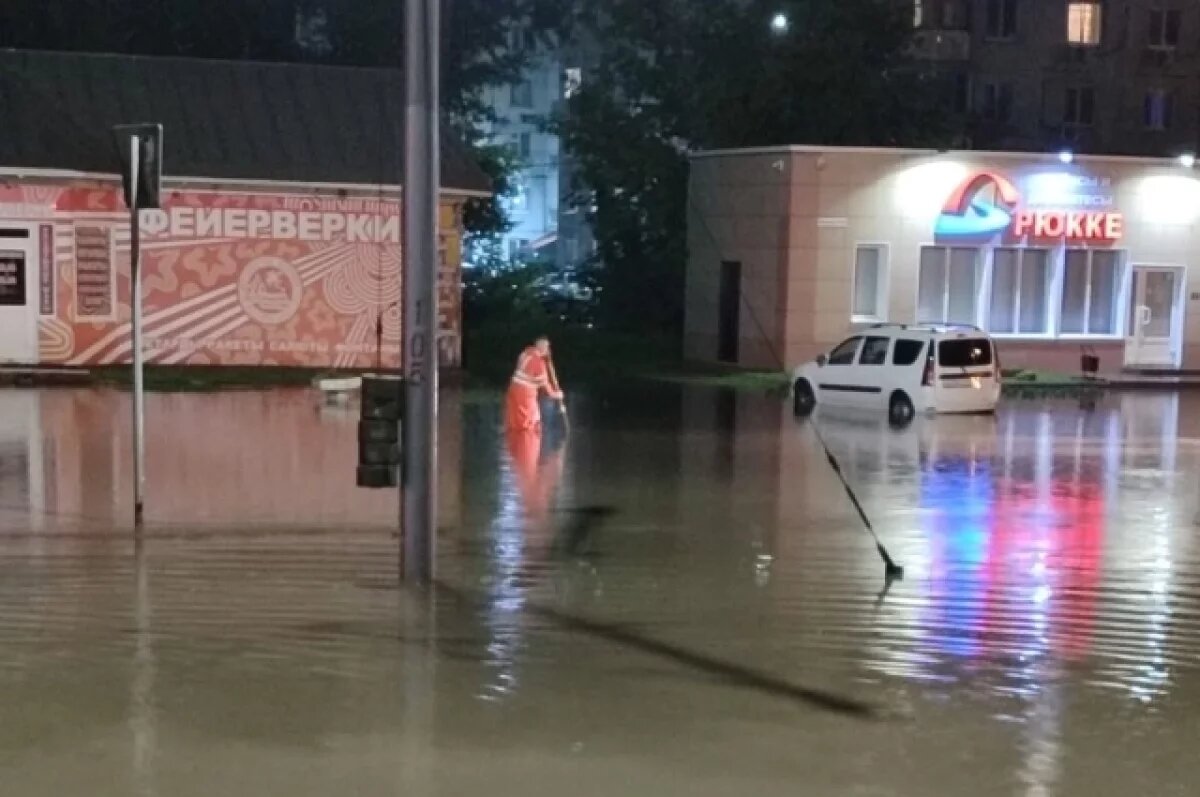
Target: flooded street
[[678, 599]]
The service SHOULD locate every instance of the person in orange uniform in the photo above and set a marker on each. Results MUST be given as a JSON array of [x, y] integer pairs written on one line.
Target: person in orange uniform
[[532, 377]]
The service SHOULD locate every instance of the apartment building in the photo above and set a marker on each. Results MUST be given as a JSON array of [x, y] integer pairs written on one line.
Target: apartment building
[[522, 111], [1111, 76]]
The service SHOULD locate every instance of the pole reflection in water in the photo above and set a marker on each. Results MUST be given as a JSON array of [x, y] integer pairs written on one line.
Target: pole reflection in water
[[142, 720]]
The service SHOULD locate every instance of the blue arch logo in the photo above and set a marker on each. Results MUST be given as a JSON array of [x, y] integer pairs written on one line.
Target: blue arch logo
[[970, 214]]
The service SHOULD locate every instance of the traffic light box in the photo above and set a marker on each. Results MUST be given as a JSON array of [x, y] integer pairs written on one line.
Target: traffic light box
[[379, 434]]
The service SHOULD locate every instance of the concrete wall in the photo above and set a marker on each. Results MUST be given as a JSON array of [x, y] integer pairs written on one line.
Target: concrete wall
[[795, 217], [738, 211]]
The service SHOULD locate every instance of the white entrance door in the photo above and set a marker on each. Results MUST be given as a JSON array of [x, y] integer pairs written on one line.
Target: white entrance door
[[1152, 333], [18, 295]]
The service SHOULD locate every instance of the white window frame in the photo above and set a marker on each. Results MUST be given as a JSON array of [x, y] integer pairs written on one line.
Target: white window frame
[[1124, 274], [1054, 262], [882, 286], [981, 274]]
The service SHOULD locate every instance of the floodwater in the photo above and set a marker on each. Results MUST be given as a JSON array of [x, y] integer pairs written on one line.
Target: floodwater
[[677, 600]]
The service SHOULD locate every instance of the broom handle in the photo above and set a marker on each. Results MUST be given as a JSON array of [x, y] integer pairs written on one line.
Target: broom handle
[[553, 377]]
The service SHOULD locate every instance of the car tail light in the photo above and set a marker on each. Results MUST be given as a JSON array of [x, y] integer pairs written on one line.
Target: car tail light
[[927, 377]]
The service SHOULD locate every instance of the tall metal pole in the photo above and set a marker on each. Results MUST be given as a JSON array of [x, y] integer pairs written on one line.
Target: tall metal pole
[[420, 242], [135, 303]]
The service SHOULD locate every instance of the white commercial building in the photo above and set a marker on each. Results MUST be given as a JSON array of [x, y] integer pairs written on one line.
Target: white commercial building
[[793, 248]]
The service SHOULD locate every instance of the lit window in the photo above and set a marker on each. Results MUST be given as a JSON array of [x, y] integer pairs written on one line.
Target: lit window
[[1020, 284], [918, 13], [1083, 24], [1158, 109], [1091, 280], [572, 82], [1164, 28], [948, 285], [869, 264]]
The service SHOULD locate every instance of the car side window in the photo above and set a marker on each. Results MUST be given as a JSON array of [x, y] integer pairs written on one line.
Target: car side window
[[844, 353], [907, 351], [874, 351]]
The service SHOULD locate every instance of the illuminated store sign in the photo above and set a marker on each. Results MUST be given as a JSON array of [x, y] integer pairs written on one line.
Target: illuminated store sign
[[987, 204]]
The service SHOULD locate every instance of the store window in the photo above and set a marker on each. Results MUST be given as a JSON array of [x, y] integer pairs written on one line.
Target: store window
[[1091, 292], [1020, 285], [869, 290], [948, 285], [1083, 23]]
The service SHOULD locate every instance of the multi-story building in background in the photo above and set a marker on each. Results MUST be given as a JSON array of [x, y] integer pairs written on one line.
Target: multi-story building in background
[[1110, 76], [522, 111]]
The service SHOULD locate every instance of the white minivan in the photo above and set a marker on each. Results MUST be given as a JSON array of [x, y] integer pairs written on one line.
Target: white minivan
[[905, 369]]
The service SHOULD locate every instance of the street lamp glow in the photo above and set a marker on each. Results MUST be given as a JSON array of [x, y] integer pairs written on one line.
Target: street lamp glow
[[1187, 160], [1066, 156], [780, 23]]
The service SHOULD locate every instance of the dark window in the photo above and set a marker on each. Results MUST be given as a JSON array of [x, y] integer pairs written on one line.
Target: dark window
[[965, 352], [962, 92], [997, 102], [844, 353], [1164, 27], [1080, 106], [907, 351], [729, 304], [12, 279], [522, 94], [1001, 19], [874, 351], [952, 15]]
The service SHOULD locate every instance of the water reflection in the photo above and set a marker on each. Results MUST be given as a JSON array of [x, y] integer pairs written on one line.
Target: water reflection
[[1020, 522], [1047, 616]]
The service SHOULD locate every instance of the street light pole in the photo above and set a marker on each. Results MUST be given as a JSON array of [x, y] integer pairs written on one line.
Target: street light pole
[[135, 304], [421, 182]]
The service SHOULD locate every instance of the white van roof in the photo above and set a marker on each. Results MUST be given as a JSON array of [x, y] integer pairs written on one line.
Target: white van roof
[[928, 328]]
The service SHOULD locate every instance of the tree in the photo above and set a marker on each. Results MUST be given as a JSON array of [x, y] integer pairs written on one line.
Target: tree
[[485, 43], [669, 76]]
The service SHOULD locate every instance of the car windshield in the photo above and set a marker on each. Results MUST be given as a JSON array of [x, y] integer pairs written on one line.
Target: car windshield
[[965, 352]]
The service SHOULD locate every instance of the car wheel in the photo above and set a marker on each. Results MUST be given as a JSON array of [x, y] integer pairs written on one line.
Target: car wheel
[[900, 409], [803, 398]]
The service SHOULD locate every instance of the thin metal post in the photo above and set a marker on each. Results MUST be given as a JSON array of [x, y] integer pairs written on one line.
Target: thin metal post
[[419, 282], [135, 303]]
